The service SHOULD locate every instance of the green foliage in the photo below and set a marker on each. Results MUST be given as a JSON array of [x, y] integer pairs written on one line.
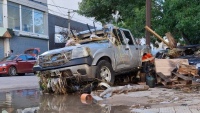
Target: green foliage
[[180, 17]]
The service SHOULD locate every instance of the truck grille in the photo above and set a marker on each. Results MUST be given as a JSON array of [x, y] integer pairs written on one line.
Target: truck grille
[[57, 59]]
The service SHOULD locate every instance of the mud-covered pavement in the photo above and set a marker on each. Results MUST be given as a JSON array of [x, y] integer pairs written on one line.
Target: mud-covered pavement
[[156, 99]]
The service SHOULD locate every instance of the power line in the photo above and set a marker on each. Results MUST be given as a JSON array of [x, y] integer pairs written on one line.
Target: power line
[[53, 5], [61, 14]]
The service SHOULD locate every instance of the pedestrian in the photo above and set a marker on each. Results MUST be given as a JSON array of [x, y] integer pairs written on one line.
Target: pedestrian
[[11, 53]]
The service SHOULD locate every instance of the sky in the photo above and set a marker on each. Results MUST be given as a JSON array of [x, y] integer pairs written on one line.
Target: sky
[[64, 6]]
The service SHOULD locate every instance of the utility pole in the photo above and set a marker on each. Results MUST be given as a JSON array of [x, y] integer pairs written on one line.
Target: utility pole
[[69, 18], [148, 20]]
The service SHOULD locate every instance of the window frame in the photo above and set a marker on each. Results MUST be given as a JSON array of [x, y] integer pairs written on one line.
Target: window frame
[[11, 5], [33, 19], [30, 58], [119, 38], [131, 42], [21, 58], [1, 13]]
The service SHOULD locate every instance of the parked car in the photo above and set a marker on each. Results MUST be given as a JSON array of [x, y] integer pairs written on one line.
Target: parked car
[[17, 64], [32, 51]]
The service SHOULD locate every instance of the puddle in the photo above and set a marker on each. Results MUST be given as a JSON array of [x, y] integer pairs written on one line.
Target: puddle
[[32, 101]]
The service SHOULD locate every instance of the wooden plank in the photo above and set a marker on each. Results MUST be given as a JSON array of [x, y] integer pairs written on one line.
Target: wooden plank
[[186, 80], [188, 69], [166, 66], [164, 79]]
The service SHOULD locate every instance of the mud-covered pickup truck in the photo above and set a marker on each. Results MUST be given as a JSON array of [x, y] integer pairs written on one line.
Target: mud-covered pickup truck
[[101, 53]]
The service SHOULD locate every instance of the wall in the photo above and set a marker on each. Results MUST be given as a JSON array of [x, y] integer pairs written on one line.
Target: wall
[[62, 22], [1, 48], [19, 44]]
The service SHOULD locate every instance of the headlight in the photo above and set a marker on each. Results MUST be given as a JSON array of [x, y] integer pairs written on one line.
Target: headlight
[[80, 52], [2, 65]]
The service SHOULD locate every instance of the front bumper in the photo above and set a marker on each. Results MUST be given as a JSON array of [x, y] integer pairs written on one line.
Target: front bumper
[[3, 70], [80, 67]]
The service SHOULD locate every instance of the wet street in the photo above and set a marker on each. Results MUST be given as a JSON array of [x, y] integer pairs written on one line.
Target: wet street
[[21, 94], [32, 101]]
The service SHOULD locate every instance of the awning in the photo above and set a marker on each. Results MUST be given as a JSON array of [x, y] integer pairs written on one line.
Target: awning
[[5, 33]]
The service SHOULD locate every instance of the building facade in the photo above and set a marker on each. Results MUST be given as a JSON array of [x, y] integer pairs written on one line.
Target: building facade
[[58, 28], [28, 20]]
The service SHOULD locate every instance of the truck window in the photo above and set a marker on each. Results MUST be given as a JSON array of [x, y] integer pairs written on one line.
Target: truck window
[[128, 35], [119, 36]]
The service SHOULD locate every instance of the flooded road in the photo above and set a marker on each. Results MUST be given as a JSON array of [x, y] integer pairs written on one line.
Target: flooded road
[[32, 101]]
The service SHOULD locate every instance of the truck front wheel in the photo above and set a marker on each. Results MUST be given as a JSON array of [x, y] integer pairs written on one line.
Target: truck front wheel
[[105, 72]]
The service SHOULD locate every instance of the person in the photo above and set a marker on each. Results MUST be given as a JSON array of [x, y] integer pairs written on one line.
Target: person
[[11, 53]]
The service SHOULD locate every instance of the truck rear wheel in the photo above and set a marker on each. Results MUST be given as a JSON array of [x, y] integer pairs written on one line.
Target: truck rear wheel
[[105, 72]]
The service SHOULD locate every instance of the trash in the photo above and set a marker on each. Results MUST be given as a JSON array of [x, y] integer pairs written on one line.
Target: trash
[[103, 84], [96, 99], [124, 89], [150, 81], [86, 98]]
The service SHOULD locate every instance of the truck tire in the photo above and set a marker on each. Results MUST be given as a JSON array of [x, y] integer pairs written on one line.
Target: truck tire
[[105, 72]]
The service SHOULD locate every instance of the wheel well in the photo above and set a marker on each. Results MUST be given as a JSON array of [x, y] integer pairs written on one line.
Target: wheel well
[[105, 58], [14, 67]]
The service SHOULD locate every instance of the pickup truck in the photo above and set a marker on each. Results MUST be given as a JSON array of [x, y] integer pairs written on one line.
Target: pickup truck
[[96, 54]]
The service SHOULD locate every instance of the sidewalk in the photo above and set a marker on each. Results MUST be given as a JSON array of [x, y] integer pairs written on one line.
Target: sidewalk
[[158, 100], [176, 109]]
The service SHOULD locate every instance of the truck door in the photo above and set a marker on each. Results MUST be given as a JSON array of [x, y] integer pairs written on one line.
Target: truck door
[[134, 53], [122, 57]]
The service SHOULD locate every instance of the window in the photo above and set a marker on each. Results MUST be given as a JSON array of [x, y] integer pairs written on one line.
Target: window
[[128, 35], [23, 57], [13, 16], [1, 14], [39, 22], [29, 57], [27, 19], [119, 36], [31, 20]]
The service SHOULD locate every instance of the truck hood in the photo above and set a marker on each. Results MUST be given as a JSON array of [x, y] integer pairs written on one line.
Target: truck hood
[[92, 45]]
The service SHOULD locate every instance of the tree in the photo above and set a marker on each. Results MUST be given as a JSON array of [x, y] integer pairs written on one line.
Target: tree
[[180, 17], [132, 13]]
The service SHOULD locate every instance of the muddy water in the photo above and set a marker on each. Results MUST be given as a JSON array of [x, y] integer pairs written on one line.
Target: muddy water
[[32, 101]]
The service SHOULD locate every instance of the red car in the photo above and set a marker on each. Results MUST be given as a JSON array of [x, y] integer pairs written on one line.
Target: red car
[[17, 64], [32, 51]]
